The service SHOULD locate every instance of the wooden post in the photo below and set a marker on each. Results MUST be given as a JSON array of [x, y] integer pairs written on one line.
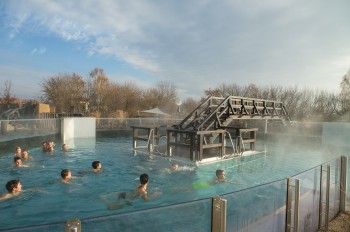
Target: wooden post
[[134, 138], [169, 138], [200, 145]]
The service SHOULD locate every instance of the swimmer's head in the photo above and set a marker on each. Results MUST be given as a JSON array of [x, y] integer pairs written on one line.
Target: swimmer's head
[[174, 167], [144, 178], [25, 154], [18, 150], [13, 186], [66, 174], [64, 147], [18, 161], [220, 174], [96, 165]]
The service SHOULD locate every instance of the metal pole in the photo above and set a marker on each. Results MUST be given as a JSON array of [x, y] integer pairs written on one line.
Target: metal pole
[[343, 186], [289, 205], [296, 205], [223, 205], [320, 216], [327, 195], [218, 219]]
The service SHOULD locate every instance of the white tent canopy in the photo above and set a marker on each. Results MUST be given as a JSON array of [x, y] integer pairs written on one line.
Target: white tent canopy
[[156, 111]]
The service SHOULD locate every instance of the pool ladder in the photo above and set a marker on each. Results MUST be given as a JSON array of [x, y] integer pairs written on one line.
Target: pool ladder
[[238, 147]]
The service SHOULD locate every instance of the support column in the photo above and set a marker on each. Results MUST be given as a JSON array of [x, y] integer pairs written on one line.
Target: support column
[[343, 186], [218, 218]]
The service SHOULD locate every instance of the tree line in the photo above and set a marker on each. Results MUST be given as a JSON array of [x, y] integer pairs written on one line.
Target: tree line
[[96, 95]]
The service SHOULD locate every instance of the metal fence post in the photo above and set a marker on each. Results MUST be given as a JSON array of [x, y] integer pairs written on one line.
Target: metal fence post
[[296, 205], [73, 226], [327, 195], [295, 226], [289, 206], [218, 219], [343, 186], [320, 211]]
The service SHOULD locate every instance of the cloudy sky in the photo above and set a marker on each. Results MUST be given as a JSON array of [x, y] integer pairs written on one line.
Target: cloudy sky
[[196, 44]]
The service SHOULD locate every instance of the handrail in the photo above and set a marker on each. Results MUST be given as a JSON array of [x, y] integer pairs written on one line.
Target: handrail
[[245, 107]]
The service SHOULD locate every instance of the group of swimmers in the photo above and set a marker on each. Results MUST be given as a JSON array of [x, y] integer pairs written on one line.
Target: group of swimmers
[[14, 187], [124, 199]]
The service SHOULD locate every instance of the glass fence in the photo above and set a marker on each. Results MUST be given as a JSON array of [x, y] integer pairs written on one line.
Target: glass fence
[[260, 208], [16, 129], [190, 216], [24, 128], [257, 209]]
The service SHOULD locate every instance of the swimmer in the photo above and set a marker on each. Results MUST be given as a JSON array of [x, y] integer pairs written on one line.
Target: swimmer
[[64, 147], [125, 198], [96, 166], [141, 189], [44, 146], [18, 163], [50, 146], [221, 177], [13, 187], [173, 168], [25, 155], [66, 175], [18, 152]]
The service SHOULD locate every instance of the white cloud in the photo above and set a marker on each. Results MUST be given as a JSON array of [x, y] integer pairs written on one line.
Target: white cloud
[[40, 50], [198, 44]]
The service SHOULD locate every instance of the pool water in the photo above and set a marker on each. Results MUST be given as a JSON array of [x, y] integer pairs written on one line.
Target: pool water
[[51, 201]]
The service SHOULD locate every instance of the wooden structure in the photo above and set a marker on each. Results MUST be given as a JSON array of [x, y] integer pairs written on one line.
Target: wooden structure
[[202, 134], [198, 142], [215, 113]]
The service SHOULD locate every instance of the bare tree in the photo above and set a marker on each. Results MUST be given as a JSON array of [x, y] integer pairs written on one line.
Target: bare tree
[[8, 97], [188, 105], [345, 93], [97, 85], [66, 92], [163, 95]]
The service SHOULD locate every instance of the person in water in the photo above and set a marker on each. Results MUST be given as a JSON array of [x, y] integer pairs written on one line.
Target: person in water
[[18, 163], [96, 166], [67, 177], [25, 155], [173, 168], [18, 152], [126, 198], [50, 146], [64, 147], [220, 177], [13, 187]]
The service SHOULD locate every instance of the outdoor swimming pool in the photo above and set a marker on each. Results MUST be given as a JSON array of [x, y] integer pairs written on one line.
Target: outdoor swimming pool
[[55, 202]]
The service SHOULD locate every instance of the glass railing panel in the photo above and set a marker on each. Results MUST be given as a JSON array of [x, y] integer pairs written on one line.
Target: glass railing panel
[[348, 184], [334, 193], [261, 208], [126, 123], [191, 216], [24, 128], [309, 199], [54, 227]]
